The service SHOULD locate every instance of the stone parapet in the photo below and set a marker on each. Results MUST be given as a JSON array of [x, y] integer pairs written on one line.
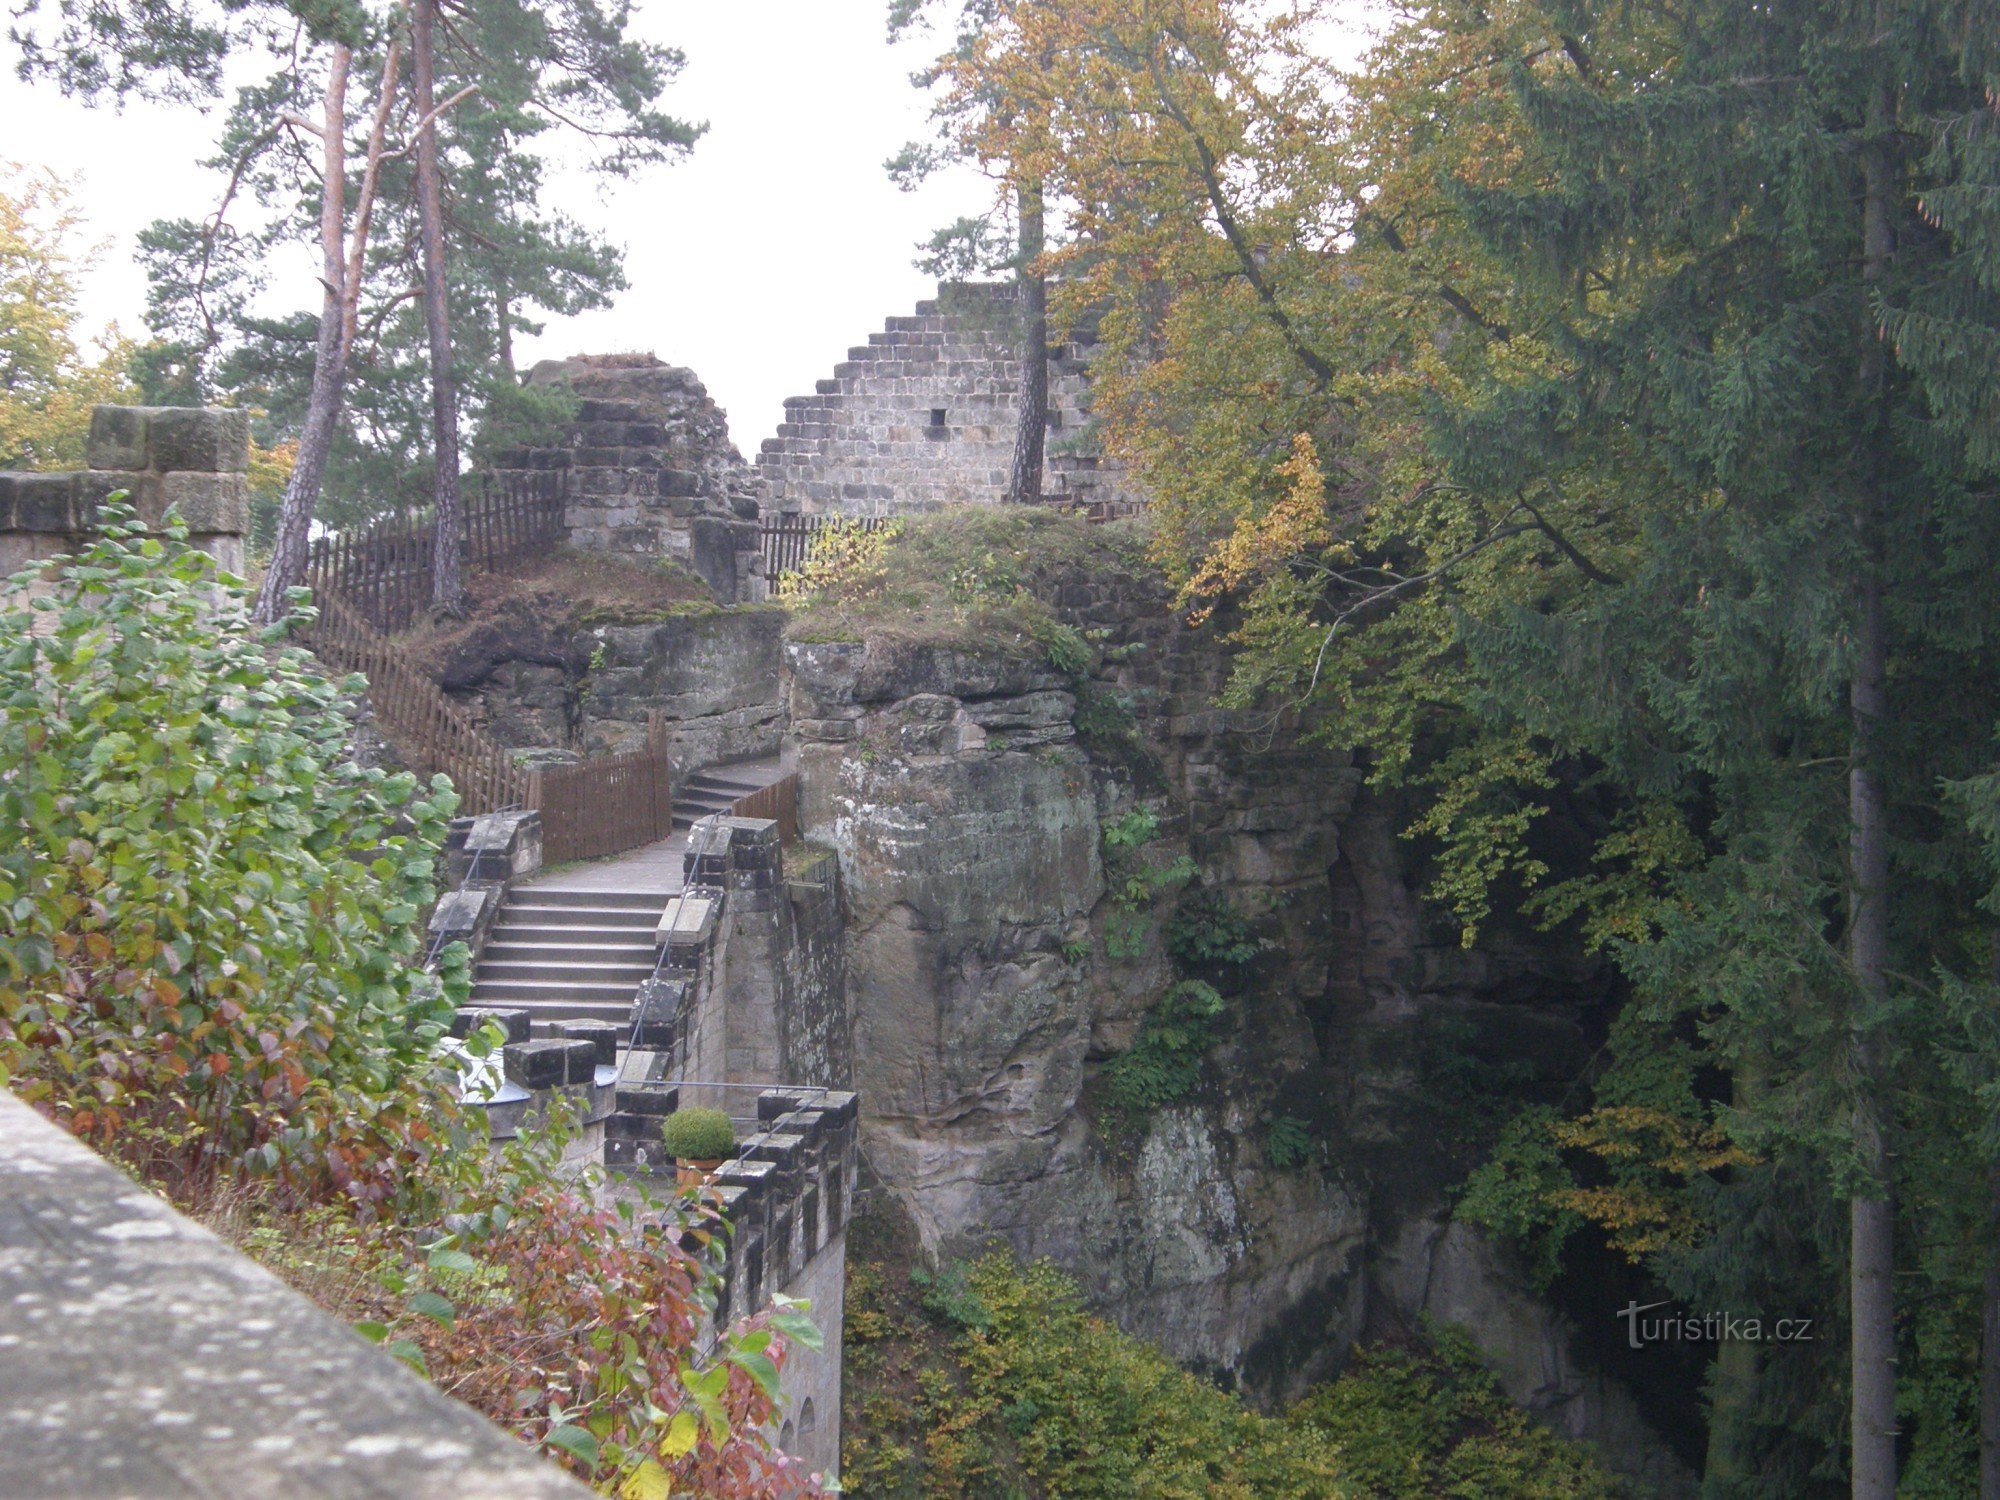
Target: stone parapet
[[140, 1355], [194, 460], [652, 472]]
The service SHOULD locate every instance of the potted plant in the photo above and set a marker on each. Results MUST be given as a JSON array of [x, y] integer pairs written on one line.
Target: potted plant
[[698, 1140]]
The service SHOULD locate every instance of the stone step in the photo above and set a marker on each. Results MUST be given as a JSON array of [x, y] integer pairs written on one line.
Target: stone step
[[560, 968], [524, 991], [608, 919], [541, 937], [531, 895], [512, 945], [543, 1014]]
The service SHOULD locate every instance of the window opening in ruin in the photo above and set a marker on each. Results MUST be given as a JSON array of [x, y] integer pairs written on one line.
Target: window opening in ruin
[[937, 416], [808, 1419]]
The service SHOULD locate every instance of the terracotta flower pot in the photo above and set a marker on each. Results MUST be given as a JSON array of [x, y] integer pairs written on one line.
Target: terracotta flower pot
[[691, 1176]]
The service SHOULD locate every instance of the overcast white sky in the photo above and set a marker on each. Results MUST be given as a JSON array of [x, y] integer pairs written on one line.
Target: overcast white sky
[[757, 260]]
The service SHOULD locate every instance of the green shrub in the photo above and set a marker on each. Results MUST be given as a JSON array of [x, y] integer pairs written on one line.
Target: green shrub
[[1097, 1415], [1416, 1423], [1164, 1065], [698, 1135], [1288, 1142], [208, 912], [979, 577], [1516, 1193], [1208, 929], [948, 1296]]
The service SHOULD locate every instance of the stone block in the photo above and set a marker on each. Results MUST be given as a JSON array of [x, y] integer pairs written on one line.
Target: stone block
[[118, 438], [652, 1099], [774, 1103], [603, 1037], [657, 1011], [503, 846], [687, 923], [45, 502], [579, 1060], [471, 1017], [200, 440], [755, 1177], [538, 1065], [93, 487], [459, 916], [784, 1149], [208, 503], [628, 1127]]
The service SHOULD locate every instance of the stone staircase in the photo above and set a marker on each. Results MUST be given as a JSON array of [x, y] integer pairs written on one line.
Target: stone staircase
[[569, 955], [563, 952], [712, 791]]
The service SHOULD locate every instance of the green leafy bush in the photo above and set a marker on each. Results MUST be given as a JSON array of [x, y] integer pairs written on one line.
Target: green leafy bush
[[949, 1296], [1515, 1194], [208, 913], [1208, 930], [698, 1135], [979, 577], [1097, 1415], [1164, 1065], [1288, 1142], [1416, 1423]]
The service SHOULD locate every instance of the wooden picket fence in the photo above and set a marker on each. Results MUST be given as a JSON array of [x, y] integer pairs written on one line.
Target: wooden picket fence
[[787, 539], [605, 805], [597, 807], [384, 572], [429, 731], [779, 800]]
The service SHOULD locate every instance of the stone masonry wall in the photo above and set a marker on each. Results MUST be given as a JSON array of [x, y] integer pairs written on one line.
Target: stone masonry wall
[[651, 470], [195, 459], [923, 416]]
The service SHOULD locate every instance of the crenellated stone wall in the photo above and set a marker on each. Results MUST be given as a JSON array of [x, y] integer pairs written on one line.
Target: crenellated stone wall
[[923, 416]]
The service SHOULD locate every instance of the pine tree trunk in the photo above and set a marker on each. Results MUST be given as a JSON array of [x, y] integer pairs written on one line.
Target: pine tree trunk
[[1989, 1322], [1989, 1350], [503, 321], [1031, 435], [1872, 1213], [448, 553], [1729, 1469], [295, 513]]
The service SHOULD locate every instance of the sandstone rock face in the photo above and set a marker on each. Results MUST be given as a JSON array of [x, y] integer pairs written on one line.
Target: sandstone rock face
[[969, 821], [994, 973], [713, 674]]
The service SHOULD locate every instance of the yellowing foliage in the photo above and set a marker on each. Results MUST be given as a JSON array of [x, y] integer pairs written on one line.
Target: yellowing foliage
[[48, 383]]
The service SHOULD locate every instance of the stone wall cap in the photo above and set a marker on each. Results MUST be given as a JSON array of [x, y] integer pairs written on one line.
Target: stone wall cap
[[156, 1389]]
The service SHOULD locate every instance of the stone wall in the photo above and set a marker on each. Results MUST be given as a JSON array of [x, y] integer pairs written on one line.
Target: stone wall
[[651, 471], [194, 459], [924, 414], [139, 1355]]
